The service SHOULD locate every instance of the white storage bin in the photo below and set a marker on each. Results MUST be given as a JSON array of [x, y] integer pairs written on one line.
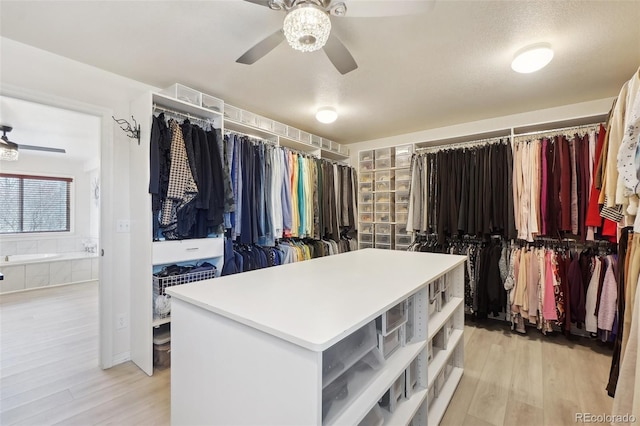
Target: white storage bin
[[394, 395], [402, 208], [402, 186], [232, 113], [403, 174], [366, 217], [389, 343], [403, 160], [384, 176], [383, 228], [366, 208], [335, 146], [366, 245], [305, 137], [401, 247], [183, 93], [265, 123], [249, 118], [365, 186], [366, 177], [383, 163], [433, 306], [384, 197], [383, 239], [383, 217], [403, 240], [366, 198], [366, 228], [344, 150], [326, 144], [383, 246], [293, 133], [401, 229], [212, 103], [366, 238], [366, 166], [392, 319], [411, 376], [384, 207], [373, 418], [316, 141], [366, 155], [404, 150], [402, 197], [383, 154], [402, 218], [383, 186], [279, 128], [165, 252], [341, 356]]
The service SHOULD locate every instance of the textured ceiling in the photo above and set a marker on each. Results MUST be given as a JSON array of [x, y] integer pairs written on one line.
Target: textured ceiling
[[416, 72]]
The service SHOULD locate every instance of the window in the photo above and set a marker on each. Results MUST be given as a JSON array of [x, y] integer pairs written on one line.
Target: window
[[34, 204]]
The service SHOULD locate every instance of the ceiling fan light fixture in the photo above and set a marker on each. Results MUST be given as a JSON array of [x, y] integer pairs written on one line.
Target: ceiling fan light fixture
[[8, 151], [307, 28], [326, 115], [532, 58]]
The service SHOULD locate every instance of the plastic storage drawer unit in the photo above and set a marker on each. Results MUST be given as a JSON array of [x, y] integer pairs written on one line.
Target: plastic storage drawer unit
[[392, 319], [341, 356], [162, 351], [394, 395], [389, 343]]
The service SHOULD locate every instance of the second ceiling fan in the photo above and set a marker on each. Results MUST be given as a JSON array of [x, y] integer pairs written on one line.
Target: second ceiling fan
[[307, 26]]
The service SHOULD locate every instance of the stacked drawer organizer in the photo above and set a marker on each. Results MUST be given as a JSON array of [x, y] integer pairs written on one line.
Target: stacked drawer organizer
[[384, 197]]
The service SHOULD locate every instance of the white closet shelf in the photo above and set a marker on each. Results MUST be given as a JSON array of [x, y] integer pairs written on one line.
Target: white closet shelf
[[157, 322], [405, 410], [440, 404], [437, 321], [369, 388], [333, 155], [442, 356], [186, 107]]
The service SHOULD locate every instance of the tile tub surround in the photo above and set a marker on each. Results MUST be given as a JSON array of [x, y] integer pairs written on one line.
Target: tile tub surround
[[67, 269]]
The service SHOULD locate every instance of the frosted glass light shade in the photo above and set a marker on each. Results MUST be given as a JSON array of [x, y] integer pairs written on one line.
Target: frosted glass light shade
[[326, 115], [307, 28], [8, 153], [532, 58]]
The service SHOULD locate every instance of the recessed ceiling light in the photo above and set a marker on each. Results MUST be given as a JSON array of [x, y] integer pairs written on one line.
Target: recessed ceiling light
[[532, 58], [326, 115]]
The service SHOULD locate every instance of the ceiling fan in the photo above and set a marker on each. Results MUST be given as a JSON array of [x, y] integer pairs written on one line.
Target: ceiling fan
[[307, 26], [9, 150]]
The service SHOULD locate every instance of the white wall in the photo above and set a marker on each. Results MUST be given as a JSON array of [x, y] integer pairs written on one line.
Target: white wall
[[50, 165], [538, 117], [49, 78]]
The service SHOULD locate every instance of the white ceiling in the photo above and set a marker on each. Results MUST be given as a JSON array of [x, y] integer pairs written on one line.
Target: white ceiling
[[416, 72], [46, 126]]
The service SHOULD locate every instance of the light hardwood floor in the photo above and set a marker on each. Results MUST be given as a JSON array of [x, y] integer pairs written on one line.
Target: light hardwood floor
[[49, 371]]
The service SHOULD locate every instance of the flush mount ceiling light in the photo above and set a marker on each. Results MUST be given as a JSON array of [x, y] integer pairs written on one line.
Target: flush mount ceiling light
[[326, 115], [532, 58], [307, 27]]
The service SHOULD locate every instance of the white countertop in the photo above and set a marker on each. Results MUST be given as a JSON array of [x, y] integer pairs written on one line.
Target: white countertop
[[317, 302]]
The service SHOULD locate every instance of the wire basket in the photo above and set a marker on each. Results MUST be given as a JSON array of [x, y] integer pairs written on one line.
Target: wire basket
[[161, 283]]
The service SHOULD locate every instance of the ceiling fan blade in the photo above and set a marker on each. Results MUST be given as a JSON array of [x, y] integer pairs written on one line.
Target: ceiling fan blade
[[262, 48], [339, 55], [260, 2], [42, 148], [375, 9]]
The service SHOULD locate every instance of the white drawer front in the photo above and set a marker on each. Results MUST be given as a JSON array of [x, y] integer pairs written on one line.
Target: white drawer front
[[186, 250]]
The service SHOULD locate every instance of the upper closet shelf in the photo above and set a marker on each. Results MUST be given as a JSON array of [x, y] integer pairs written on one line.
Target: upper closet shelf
[[199, 104]]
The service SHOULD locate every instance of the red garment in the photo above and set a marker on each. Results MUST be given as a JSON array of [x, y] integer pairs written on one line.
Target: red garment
[[593, 212]]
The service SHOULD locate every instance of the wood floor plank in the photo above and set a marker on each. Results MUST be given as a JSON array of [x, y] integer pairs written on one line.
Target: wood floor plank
[[526, 383], [523, 414], [461, 398]]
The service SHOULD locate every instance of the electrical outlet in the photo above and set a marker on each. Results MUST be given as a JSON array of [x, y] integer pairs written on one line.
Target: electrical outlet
[[123, 226], [121, 321]]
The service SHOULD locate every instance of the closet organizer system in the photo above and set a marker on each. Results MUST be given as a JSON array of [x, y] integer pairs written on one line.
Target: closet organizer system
[[203, 170]]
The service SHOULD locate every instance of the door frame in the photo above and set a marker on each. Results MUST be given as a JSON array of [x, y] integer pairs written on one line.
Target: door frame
[[105, 249]]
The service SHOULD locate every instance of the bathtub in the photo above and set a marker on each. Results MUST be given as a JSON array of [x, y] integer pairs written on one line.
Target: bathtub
[[30, 271]]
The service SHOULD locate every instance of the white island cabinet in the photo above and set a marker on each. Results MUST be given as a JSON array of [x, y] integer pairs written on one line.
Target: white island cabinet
[[339, 340]]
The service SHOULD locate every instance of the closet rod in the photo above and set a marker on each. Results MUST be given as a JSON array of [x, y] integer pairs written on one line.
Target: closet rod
[[235, 132], [183, 114], [469, 144], [562, 130]]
